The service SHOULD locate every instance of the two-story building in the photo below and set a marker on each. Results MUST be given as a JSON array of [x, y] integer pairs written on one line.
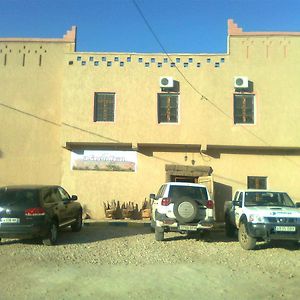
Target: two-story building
[[116, 125]]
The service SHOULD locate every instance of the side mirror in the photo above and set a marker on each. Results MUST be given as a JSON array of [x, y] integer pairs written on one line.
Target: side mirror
[[74, 197], [297, 204], [237, 203], [152, 196]]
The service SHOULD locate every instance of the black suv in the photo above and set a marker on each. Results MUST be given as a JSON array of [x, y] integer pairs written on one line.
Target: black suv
[[37, 212]]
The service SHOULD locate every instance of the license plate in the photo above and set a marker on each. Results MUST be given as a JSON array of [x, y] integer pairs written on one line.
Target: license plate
[[187, 227], [10, 220], [285, 228]]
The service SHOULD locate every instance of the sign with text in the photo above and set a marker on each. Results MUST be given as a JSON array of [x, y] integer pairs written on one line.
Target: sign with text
[[104, 160]]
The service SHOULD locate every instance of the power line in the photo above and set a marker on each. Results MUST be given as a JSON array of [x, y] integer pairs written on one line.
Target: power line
[[203, 97]]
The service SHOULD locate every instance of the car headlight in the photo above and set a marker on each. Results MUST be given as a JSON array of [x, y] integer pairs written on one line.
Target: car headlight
[[256, 219]]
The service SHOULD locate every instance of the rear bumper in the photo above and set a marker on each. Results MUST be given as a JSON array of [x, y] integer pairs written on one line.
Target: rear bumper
[[172, 225], [269, 232], [23, 231]]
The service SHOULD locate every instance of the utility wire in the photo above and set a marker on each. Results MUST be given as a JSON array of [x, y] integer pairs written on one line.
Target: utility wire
[[181, 73], [203, 97], [164, 50]]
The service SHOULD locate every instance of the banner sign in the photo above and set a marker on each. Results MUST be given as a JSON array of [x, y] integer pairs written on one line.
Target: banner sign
[[102, 160]]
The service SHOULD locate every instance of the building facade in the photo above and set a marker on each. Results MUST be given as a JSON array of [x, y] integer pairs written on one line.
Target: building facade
[[117, 125]]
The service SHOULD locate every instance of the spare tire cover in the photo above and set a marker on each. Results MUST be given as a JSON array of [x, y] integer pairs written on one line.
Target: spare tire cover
[[185, 210]]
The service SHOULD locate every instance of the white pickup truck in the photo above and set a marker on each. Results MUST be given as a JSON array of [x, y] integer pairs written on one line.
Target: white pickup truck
[[262, 215]]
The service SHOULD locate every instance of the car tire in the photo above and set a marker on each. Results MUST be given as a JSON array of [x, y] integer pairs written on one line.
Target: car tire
[[229, 228], [51, 239], [78, 223], [186, 210], [247, 242], [152, 225], [159, 234]]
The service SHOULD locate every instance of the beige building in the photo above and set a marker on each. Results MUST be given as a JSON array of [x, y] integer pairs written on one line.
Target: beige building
[[116, 125]]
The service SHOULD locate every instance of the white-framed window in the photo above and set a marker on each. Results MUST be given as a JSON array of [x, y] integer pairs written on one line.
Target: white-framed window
[[244, 108], [104, 107], [167, 107]]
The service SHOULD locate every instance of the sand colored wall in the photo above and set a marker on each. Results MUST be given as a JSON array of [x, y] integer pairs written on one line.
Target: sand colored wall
[[271, 63], [47, 110], [230, 173], [275, 85], [31, 75]]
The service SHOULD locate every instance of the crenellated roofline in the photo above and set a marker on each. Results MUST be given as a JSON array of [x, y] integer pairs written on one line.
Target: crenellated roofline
[[235, 30], [68, 37]]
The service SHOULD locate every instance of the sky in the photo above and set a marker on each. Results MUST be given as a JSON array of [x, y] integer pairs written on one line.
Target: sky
[[188, 26]]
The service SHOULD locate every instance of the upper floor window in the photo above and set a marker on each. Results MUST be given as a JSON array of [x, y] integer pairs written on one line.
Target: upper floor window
[[243, 109], [104, 107], [167, 107]]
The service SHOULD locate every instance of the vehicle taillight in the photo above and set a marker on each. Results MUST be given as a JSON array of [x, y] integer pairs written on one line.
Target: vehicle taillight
[[165, 201], [210, 204], [35, 211]]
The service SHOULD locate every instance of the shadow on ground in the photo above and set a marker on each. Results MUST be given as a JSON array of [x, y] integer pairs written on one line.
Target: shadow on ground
[[95, 232]]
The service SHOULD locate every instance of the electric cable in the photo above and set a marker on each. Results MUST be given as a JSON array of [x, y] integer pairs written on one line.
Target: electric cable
[[203, 97]]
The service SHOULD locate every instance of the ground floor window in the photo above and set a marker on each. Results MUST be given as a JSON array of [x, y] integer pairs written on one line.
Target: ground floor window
[[257, 182]]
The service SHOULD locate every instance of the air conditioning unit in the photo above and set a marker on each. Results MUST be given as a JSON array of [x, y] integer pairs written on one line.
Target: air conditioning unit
[[241, 82], [166, 82]]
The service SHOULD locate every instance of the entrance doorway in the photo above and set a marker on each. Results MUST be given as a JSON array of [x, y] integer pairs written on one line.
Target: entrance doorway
[[191, 179]]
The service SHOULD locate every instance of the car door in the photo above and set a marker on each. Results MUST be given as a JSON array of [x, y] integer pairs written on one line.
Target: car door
[[53, 204], [71, 207], [62, 208], [238, 208], [157, 199]]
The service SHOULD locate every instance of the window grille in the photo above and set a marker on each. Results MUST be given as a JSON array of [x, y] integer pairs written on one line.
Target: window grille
[[104, 108], [243, 109], [167, 108]]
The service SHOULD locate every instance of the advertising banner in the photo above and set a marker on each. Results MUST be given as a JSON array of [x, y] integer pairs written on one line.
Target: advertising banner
[[103, 160]]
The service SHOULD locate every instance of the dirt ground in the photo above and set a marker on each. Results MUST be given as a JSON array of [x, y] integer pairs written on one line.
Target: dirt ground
[[116, 262]]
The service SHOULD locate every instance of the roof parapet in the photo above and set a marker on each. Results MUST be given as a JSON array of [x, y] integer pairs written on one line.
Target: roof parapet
[[235, 30], [69, 37]]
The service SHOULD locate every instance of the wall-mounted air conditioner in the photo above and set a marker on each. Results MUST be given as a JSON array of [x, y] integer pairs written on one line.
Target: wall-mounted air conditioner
[[166, 82], [241, 82]]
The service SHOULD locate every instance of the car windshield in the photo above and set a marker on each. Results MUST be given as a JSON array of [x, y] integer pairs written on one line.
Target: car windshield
[[194, 192], [12, 197], [268, 199]]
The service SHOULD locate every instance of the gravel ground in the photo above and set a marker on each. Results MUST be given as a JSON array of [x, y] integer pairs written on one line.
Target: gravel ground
[[114, 262]]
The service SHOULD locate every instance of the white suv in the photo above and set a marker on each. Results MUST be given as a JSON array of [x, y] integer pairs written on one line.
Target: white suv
[[181, 207]]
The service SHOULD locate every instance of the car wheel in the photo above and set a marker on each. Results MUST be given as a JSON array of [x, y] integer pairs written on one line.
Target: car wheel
[[152, 225], [78, 223], [159, 234], [51, 239], [229, 228], [247, 242], [186, 210]]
